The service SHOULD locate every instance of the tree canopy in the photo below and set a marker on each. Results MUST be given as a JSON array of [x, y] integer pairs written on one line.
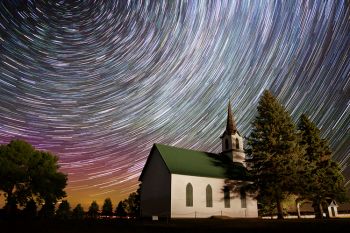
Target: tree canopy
[[93, 210], [324, 179], [29, 174], [107, 208], [273, 152], [120, 210], [63, 211], [78, 212], [132, 204]]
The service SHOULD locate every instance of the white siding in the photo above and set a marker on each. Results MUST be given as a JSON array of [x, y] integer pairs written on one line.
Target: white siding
[[199, 209], [155, 188]]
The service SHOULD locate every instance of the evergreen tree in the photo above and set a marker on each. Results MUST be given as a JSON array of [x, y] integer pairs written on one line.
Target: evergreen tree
[[107, 208], [93, 210], [78, 212], [63, 211], [132, 204], [120, 210], [273, 152], [324, 179]]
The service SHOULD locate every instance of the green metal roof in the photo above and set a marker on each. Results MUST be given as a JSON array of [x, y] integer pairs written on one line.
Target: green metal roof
[[198, 163]]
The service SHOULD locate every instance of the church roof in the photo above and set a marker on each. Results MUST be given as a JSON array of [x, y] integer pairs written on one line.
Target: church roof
[[199, 163]]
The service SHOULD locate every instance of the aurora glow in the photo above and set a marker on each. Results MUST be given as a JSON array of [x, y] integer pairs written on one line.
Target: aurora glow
[[98, 82]]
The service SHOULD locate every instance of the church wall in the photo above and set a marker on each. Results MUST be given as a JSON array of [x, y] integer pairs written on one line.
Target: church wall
[[199, 209], [155, 188]]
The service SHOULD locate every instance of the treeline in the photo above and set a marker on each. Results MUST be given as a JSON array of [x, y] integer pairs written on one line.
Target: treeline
[[33, 186], [287, 159], [128, 208]]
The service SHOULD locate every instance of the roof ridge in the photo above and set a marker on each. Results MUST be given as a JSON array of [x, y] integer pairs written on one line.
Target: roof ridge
[[185, 148]]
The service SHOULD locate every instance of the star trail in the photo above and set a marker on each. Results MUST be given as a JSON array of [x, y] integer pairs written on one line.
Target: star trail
[[98, 82]]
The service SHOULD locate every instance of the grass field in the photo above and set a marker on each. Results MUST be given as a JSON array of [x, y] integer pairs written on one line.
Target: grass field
[[193, 226]]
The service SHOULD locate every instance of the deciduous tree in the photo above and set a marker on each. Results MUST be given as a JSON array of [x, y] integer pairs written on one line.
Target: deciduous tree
[[14, 179], [29, 174], [132, 204], [47, 211], [30, 210]]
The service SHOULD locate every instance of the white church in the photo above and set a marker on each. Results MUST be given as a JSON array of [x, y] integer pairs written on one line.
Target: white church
[[183, 183]]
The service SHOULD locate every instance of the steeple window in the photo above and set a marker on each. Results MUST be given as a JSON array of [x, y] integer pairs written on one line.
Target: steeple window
[[226, 144]]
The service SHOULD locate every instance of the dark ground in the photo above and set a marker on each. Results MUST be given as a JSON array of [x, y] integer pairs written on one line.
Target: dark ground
[[183, 226]]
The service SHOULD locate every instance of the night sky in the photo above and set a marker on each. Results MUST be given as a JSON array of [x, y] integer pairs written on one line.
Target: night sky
[[98, 82]]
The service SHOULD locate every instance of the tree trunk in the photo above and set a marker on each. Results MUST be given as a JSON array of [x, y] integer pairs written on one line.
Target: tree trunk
[[298, 208], [11, 204], [318, 209], [321, 209], [279, 209]]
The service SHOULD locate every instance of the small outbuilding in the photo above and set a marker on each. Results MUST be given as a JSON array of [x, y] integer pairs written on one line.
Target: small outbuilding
[[332, 208]]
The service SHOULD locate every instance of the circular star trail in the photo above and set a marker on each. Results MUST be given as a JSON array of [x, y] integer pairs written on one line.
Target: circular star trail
[[98, 82]]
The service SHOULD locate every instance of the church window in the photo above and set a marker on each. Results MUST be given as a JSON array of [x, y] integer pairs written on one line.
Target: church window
[[209, 196], [226, 144], [243, 199], [237, 143], [227, 197], [189, 195]]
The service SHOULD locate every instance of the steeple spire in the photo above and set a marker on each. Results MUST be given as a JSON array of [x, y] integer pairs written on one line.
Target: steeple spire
[[231, 128], [231, 140]]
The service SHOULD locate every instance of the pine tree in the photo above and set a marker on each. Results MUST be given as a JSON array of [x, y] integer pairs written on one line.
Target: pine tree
[[78, 212], [63, 211], [273, 152], [324, 179], [120, 210], [107, 208], [93, 210]]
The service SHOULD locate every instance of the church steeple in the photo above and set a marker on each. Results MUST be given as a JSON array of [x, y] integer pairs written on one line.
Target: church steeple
[[232, 141], [231, 128]]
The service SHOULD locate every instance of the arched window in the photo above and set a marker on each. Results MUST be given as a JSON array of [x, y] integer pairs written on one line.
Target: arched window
[[237, 143], [227, 197], [226, 144], [209, 196], [189, 195], [243, 199]]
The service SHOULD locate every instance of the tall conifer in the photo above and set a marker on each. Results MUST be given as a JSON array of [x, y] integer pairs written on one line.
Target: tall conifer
[[273, 152], [324, 179]]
